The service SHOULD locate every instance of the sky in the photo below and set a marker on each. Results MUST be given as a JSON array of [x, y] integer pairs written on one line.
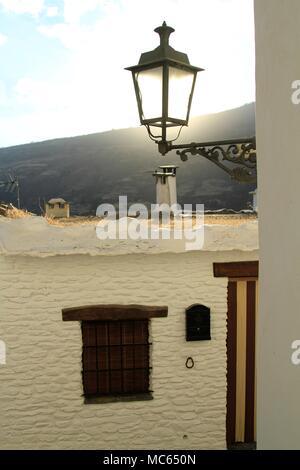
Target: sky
[[62, 61]]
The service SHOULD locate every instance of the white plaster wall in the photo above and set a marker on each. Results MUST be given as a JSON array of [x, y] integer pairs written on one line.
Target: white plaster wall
[[278, 143], [41, 403]]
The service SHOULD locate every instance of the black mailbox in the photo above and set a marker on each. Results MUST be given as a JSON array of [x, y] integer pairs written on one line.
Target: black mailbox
[[197, 323]]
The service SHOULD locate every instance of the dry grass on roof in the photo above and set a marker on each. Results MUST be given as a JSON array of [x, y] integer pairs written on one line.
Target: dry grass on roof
[[232, 219], [11, 212], [74, 220], [209, 219]]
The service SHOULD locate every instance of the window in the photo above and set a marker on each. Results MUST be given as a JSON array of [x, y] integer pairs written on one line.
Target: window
[[61, 205], [115, 350], [115, 358]]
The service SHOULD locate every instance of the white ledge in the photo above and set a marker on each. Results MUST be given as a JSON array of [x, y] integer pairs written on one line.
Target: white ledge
[[33, 236]]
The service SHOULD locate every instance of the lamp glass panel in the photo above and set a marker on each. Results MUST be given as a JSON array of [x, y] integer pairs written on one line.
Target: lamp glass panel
[[150, 87], [180, 88]]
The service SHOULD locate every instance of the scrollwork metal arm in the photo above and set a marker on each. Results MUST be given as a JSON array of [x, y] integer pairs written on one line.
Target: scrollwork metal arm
[[240, 152]]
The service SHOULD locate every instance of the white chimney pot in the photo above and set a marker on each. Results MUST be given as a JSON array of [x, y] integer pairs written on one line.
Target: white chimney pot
[[166, 191]]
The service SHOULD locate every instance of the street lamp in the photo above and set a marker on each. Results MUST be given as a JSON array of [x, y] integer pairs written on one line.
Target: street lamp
[[164, 82]]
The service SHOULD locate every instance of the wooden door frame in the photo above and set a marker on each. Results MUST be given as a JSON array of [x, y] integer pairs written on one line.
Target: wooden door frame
[[246, 271], [237, 269]]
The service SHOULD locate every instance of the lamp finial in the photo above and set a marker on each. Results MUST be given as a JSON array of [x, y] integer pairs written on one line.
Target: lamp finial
[[164, 32]]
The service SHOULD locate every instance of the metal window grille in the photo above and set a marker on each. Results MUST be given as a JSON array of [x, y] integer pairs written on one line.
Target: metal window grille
[[115, 357]]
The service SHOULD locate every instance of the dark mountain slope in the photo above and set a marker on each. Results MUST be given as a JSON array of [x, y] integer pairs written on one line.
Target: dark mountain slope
[[92, 169]]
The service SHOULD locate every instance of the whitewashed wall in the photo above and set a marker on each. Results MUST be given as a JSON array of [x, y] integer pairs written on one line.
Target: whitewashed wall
[[41, 403], [278, 142]]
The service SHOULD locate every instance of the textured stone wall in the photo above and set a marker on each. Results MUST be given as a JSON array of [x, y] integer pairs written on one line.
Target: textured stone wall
[[41, 403]]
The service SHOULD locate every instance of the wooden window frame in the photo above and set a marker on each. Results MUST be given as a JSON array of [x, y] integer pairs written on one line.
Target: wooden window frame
[[108, 314], [113, 312]]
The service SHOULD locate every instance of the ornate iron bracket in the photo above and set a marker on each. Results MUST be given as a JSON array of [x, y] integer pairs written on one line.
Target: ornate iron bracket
[[240, 152]]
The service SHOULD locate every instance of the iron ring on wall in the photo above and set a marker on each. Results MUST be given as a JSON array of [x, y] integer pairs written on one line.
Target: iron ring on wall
[[189, 363]]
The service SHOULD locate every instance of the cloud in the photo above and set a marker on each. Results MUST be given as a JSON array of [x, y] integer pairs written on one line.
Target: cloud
[[84, 97], [58, 109], [72, 36], [43, 94], [51, 12], [116, 37], [3, 94], [32, 7], [74, 10], [91, 92], [31, 91], [3, 39]]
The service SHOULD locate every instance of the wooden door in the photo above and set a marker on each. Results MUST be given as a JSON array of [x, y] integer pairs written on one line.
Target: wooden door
[[241, 349]]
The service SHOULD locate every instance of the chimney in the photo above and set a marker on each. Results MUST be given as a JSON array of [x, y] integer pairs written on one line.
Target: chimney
[[166, 192]]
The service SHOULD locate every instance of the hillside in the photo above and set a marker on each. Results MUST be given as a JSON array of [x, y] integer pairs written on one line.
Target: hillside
[[92, 169]]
